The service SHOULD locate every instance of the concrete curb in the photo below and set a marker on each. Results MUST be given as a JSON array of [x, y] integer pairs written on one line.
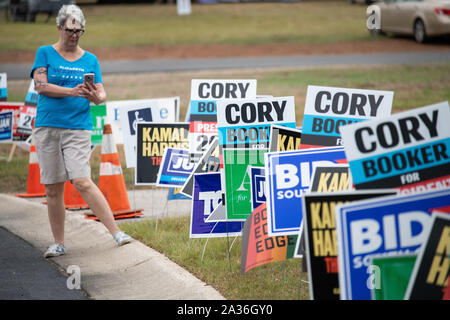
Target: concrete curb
[[130, 272]]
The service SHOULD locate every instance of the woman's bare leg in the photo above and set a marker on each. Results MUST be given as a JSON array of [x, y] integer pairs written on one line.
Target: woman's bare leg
[[96, 202], [56, 209]]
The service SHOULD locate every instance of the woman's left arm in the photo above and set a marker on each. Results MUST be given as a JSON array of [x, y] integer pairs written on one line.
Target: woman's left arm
[[95, 93]]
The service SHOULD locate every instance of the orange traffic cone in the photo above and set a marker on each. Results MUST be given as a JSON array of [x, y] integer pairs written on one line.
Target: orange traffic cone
[[72, 198], [111, 181], [34, 187]]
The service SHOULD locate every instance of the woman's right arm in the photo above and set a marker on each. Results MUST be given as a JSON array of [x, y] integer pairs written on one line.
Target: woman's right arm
[[42, 86]]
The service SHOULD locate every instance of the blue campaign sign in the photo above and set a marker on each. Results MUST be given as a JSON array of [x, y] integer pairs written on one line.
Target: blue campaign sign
[[327, 126], [175, 194], [384, 226], [203, 107], [138, 115], [3, 94], [288, 176], [32, 97], [327, 109], [244, 134], [207, 195], [247, 136], [258, 189], [175, 168], [407, 160], [3, 86], [6, 126]]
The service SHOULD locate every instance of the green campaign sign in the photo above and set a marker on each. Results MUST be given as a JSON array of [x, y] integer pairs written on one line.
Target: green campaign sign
[[244, 136], [237, 164], [98, 113], [391, 276]]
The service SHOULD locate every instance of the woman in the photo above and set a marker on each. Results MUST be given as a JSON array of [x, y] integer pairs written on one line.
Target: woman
[[63, 125]]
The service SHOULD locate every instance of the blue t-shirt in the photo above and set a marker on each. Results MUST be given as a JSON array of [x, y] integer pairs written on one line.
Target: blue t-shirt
[[67, 112]]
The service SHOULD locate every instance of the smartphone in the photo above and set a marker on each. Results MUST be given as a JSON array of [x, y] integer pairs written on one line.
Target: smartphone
[[89, 77]]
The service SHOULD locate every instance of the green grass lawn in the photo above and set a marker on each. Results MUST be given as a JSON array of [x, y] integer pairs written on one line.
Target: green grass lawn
[[244, 23], [278, 280]]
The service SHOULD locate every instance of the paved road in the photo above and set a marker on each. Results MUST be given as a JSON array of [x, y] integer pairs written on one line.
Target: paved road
[[21, 70], [27, 275]]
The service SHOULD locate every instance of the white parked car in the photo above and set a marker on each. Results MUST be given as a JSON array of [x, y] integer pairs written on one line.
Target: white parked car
[[421, 18]]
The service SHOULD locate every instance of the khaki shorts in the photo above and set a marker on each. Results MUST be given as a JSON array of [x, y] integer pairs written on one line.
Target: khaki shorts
[[63, 154]]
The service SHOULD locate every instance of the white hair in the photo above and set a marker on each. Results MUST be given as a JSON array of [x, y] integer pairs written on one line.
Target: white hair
[[70, 11]]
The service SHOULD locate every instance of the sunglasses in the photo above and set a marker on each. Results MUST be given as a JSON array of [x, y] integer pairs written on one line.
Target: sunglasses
[[78, 32]]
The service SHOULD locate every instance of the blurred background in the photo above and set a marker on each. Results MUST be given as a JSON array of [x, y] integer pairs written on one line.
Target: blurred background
[[296, 43]]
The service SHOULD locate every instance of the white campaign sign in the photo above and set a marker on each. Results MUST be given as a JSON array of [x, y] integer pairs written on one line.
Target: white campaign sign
[[347, 102], [207, 89], [386, 150], [400, 130], [327, 109], [126, 114], [205, 93], [257, 111]]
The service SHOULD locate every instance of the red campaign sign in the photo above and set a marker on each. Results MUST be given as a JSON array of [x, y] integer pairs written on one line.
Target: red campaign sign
[[257, 247], [202, 127], [26, 119], [15, 108], [427, 185]]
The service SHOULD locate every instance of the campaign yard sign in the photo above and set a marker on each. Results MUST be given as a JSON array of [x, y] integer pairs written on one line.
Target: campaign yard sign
[[396, 225], [431, 274], [258, 247], [236, 181], [246, 123], [203, 110], [27, 112], [98, 113], [32, 97], [331, 178], [258, 189], [327, 109], [284, 138], [391, 276], [152, 140], [175, 194], [6, 120], [244, 136], [209, 162], [175, 168], [131, 112], [320, 238], [326, 178], [15, 108], [113, 107], [26, 120], [288, 177], [206, 197], [409, 150], [3, 86]]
